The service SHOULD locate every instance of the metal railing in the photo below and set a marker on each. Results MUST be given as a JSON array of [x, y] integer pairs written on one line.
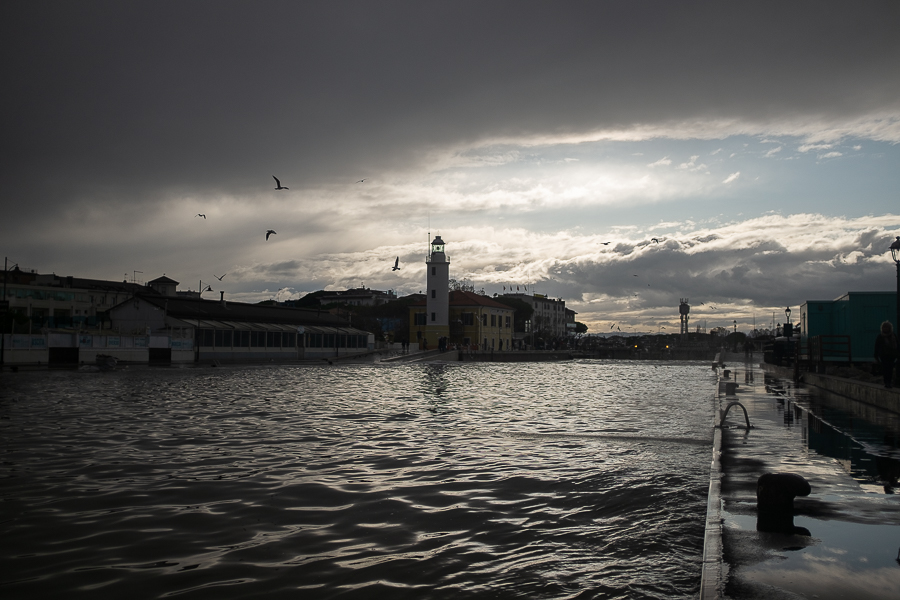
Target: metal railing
[[830, 348]]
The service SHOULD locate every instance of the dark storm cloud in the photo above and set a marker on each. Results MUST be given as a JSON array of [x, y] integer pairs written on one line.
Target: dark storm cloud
[[128, 102], [756, 270]]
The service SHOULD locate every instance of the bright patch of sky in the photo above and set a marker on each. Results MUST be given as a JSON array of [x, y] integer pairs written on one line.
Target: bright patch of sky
[[598, 185]]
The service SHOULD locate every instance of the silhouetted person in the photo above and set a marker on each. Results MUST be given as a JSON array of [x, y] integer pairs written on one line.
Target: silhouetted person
[[886, 352]]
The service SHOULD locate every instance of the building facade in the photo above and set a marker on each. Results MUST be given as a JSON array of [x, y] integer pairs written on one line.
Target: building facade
[[551, 318], [857, 315], [476, 322], [359, 297], [235, 331], [44, 301]]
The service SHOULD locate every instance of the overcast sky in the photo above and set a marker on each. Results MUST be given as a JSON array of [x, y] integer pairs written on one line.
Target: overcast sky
[[548, 143]]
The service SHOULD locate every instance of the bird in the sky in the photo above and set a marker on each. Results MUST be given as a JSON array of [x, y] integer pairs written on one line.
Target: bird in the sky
[[635, 275], [618, 329], [604, 243], [654, 240], [201, 215], [613, 325], [396, 264], [220, 278], [278, 183], [268, 233], [361, 180]]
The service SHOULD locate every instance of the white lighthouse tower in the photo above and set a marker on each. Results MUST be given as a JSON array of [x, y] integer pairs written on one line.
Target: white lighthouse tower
[[437, 316]]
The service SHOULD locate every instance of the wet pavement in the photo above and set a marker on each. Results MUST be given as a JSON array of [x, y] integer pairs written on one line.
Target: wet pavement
[[842, 540]]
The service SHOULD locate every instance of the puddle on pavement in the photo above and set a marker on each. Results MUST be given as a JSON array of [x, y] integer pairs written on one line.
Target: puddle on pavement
[[865, 441], [838, 560]]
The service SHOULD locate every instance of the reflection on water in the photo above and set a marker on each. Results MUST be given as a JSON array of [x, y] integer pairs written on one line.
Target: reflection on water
[[852, 565], [582, 479], [863, 439]]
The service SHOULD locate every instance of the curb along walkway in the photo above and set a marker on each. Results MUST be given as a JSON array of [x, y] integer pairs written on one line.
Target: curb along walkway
[[844, 538]]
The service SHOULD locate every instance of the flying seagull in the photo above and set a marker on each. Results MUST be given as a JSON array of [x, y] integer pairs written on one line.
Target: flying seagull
[[268, 233], [278, 183], [396, 264], [201, 215], [361, 180], [654, 240], [604, 243], [220, 278]]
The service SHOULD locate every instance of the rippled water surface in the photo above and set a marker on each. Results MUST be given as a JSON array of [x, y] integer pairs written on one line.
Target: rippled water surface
[[539, 480]]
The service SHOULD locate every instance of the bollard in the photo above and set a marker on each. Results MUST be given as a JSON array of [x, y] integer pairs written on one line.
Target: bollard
[[775, 494], [776, 491]]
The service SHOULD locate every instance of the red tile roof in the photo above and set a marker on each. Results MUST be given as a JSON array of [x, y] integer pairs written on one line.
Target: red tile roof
[[460, 298]]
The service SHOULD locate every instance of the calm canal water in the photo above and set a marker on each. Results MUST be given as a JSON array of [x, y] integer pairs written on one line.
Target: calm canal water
[[539, 480]]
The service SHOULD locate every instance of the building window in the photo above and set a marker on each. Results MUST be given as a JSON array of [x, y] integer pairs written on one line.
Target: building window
[[434, 293], [484, 324], [507, 322], [493, 320], [468, 319], [419, 319], [434, 270], [434, 317]]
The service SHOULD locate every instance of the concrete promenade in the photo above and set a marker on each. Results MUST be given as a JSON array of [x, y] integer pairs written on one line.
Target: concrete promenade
[[844, 538]]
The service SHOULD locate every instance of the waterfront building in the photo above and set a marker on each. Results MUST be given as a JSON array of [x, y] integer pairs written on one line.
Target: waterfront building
[[236, 331], [475, 322], [848, 324], [361, 296], [551, 318], [48, 301]]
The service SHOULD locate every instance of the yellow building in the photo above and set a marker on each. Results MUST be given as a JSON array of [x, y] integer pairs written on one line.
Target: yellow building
[[476, 322]]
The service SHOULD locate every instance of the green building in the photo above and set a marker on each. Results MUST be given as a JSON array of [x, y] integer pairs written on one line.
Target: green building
[[857, 315]]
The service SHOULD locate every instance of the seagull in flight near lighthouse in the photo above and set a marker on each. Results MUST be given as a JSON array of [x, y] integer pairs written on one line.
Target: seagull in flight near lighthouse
[[655, 240], [278, 183], [362, 180], [396, 264], [220, 278], [268, 233], [201, 215]]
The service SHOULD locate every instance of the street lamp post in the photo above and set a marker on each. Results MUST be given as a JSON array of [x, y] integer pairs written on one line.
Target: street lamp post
[[895, 254], [787, 315]]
